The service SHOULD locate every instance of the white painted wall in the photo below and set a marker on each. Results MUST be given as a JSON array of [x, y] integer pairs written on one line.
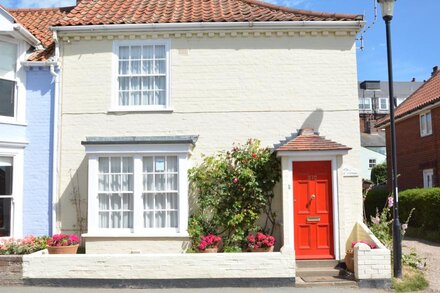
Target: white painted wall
[[366, 155], [224, 89]]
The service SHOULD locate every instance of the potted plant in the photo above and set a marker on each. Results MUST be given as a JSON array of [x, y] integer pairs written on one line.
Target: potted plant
[[63, 244], [260, 242], [349, 255], [209, 243]]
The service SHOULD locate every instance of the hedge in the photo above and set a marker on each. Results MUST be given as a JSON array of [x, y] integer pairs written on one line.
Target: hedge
[[376, 198], [426, 202]]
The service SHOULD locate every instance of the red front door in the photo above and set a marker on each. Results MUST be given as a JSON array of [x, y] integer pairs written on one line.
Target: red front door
[[312, 200]]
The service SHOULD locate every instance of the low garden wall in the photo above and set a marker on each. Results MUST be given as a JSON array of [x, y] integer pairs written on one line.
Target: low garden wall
[[11, 270], [160, 270], [372, 267]]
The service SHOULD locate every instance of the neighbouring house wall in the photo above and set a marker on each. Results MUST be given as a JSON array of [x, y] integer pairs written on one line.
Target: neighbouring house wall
[[366, 155], [415, 153], [37, 204], [11, 270], [225, 90]]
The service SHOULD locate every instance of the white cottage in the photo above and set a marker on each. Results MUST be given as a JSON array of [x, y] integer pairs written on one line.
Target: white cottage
[[149, 86]]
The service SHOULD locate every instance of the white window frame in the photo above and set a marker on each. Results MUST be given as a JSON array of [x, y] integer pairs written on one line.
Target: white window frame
[[386, 104], [370, 163], [424, 129], [428, 177], [20, 81], [181, 151], [362, 102], [16, 152], [115, 107]]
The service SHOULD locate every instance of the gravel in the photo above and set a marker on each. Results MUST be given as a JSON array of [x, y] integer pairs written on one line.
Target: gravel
[[431, 252]]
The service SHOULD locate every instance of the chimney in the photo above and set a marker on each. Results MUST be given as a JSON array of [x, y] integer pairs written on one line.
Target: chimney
[[434, 70], [413, 79]]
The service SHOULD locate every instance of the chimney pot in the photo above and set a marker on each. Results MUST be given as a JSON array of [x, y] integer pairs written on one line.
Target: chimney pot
[[434, 70], [413, 79]]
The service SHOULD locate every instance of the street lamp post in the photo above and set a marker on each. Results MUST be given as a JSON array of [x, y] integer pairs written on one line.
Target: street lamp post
[[387, 14]]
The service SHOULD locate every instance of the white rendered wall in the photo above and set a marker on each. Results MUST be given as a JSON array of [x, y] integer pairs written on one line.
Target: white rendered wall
[[224, 89], [366, 155]]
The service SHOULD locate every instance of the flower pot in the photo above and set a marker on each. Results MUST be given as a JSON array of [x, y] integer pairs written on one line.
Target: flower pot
[[210, 250], [72, 249], [262, 249], [349, 261]]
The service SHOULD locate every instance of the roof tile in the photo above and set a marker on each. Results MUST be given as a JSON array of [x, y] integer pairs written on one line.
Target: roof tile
[[307, 140]]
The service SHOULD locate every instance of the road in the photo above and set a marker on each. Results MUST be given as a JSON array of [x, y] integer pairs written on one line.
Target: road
[[209, 290]]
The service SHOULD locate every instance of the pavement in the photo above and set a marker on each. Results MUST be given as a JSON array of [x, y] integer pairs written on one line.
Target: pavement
[[203, 290]]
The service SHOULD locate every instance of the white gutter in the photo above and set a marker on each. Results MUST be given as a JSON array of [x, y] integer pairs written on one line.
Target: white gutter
[[27, 35], [205, 26]]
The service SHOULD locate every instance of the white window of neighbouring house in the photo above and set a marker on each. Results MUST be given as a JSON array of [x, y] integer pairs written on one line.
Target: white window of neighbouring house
[[428, 176], [383, 104], [425, 124], [371, 163], [141, 75], [8, 65], [6, 196], [365, 104]]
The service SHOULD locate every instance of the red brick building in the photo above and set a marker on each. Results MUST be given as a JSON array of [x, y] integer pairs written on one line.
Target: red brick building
[[417, 136]]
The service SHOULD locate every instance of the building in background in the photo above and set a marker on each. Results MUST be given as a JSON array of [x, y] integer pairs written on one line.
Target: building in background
[[374, 105], [418, 136]]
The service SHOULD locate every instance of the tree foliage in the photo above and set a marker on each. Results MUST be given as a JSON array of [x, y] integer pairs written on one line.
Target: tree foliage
[[232, 189], [379, 173]]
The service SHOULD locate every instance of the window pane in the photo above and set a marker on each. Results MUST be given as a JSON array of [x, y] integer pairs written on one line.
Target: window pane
[[148, 201], [159, 164], [115, 184], [160, 66], [160, 51], [115, 165], [148, 164], [147, 52], [6, 176], [128, 202], [127, 165], [149, 182], [147, 67], [172, 182], [124, 67], [8, 60], [423, 124], [5, 217], [160, 220], [136, 67], [127, 182], [124, 83], [135, 98], [148, 219], [103, 165], [103, 183], [7, 97], [172, 219], [124, 98], [159, 82], [127, 220], [172, 201], [428, 123], [160, 201], [116, 220], [159, 183], [171, 164], [160, 98], [104, 202], [136, 52], [115, 202], [104, 219], [124, 52]]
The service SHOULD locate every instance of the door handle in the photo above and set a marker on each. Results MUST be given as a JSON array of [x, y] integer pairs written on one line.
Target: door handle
[[313, 196]]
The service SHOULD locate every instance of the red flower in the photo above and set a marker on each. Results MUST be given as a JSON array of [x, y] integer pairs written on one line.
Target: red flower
[[254, 155], [209, 241]]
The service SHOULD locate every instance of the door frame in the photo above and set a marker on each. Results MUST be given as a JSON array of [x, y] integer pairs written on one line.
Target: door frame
[[287, 159]]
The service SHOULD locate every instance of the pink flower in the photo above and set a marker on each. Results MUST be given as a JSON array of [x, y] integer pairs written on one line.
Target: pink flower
[[390, 202], [209, 241], [235, 180]]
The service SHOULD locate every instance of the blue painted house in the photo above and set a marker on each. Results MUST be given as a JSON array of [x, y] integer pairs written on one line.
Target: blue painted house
[[28, 103]]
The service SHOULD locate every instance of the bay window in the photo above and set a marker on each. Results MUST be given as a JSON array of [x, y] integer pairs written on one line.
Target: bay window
[[8, 64], [138, 189], [142, 75]]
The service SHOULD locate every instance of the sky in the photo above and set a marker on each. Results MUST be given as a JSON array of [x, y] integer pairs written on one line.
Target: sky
[[415, 33]]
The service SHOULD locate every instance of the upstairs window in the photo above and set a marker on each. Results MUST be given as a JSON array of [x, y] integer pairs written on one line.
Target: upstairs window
[[425, 124], [371, 163], [383, 104], [365, 104], [8, 64], [142, 75]]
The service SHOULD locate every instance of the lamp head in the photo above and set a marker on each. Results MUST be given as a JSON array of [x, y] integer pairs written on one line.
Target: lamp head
[[387, 8]]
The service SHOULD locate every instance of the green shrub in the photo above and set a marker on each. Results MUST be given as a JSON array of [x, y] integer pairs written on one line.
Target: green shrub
[[375, 199], [413, 280], [426, 202], [232, 189], [379, 174]]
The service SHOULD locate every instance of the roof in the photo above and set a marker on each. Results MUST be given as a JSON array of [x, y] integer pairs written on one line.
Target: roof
[[38, 22], [99, 12], [106, 140], [373, 140], [308, 140], [402, 90], [426, 95]]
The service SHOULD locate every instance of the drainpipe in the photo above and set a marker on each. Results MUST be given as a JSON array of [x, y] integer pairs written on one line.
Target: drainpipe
[[55, 153]]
